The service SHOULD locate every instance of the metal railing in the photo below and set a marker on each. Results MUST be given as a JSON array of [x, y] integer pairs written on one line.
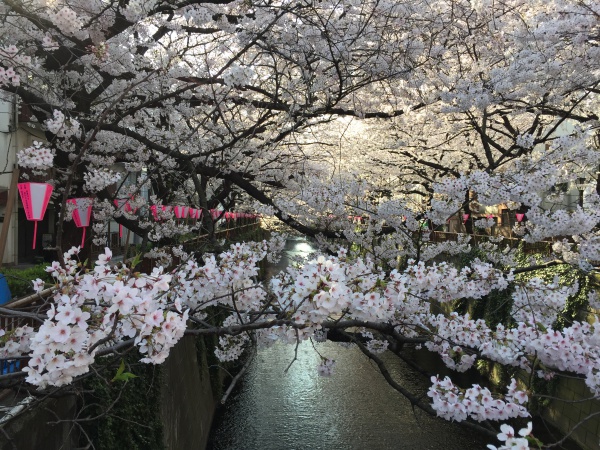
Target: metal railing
[[544, 247]]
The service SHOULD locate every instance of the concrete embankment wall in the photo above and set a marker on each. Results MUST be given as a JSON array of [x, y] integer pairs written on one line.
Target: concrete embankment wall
[[187, 403], [186, 408], [47, 427]]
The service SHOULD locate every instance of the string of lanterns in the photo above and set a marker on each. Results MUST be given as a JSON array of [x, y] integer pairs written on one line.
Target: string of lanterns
[[36, 196]]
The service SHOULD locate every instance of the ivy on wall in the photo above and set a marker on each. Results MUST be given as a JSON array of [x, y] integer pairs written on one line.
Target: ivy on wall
[[127, 412]]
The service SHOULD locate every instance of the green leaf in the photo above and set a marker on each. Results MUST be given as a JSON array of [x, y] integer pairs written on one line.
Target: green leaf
[[534, 441], [121, 375], [120, 370], [126, 376], [136, 260]]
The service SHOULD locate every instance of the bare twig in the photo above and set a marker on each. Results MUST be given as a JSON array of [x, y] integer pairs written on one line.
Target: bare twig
[[237, 378]]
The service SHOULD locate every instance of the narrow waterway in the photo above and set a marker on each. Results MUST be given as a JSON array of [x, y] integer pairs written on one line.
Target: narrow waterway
[[353, 409]]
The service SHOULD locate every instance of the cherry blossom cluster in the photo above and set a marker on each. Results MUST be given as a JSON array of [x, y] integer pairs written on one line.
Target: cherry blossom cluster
[[454, 357], [230, 348], [15, 62], [276, 245], [9, 76], [136, 9], [38, 157], [209, 284], [525, 140], [237, 76], [61, 126], [589, 247], [95, 309], [477, 403], [485, 223], [49, 43], [574, 349], [66, 20], [510, 439], [544, 224], [96, 180], [377, 345], [15, 342], [12, 53], [536, 302], [326, 367], [594, 299], [461, 245]]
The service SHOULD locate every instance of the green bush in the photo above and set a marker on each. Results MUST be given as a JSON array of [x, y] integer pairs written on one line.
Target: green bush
[[19, 280]]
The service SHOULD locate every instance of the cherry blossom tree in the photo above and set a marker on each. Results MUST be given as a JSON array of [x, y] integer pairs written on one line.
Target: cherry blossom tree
[[314, 112]]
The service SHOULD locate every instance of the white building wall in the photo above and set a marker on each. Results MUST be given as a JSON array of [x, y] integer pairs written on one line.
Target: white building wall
[[8, 146], [13, 137]]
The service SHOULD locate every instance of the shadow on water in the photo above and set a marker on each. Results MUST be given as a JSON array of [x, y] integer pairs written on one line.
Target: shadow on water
[[353, 409]]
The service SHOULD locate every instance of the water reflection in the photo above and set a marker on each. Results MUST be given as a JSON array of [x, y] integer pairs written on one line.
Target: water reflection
[[354, 409], [300, 247]]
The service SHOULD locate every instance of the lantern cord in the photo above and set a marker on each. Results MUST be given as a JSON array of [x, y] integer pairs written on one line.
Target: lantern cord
[[83, 237], [34, 233]]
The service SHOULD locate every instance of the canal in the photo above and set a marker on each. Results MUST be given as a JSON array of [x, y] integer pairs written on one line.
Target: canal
[[272, 409]]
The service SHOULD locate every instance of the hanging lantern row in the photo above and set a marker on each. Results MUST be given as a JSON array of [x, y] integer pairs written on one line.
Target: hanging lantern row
[[36, 196], [185, 212], [359, 219], [236, 216]]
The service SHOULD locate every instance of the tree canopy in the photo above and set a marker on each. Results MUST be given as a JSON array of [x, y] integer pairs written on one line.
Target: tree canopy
[[400, 112]]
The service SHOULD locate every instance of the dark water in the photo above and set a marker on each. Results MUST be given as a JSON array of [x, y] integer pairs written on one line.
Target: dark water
[[353, 409]]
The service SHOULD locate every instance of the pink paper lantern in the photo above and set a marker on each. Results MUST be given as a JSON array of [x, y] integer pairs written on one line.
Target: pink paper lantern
[[165, 211], [82, 213], [465, 218], [520, 217], [35, 198], [181, 212], [154, 211]]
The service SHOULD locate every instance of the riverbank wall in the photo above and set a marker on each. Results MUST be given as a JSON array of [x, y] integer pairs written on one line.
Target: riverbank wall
[[567, 405], [187, 396], [167, 407]]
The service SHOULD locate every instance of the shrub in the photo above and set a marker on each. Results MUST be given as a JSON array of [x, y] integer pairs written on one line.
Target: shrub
[[19, 280]]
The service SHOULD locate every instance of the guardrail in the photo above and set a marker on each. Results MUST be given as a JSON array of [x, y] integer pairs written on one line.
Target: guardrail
[[544, 247], [226, 232]]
